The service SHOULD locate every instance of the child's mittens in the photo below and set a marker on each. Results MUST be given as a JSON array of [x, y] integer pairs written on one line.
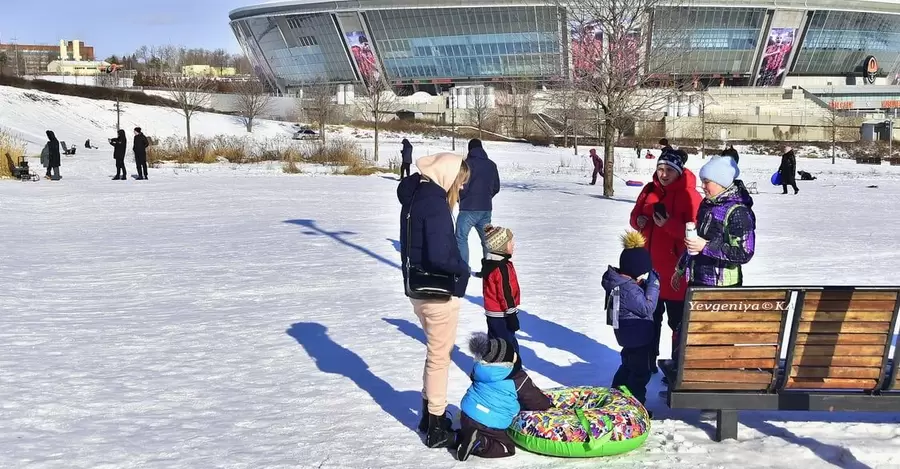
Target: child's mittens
[[512, 321]]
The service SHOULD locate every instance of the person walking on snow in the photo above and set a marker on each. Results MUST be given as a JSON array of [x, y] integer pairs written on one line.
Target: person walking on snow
[[475, 203], [406, 158], [788, 170], [53, 158], [120, 144], [427, 200], [662, 209], [140, 153], [598, 166]]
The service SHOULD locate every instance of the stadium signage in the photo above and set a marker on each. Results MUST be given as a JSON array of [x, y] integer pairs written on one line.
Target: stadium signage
[[870, 67]]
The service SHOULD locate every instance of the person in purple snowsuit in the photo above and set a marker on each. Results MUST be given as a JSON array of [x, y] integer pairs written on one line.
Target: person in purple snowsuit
[[726, 228]]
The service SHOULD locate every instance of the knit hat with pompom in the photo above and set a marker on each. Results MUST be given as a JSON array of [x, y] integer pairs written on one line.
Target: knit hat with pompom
[[635, 259], [491, 350]]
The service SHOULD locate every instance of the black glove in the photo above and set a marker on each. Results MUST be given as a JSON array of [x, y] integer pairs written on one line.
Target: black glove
[[512, 321]]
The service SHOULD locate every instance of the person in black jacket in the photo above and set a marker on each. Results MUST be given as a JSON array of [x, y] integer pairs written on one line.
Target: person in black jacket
[[406, 155], [55, 160], [475, 204], [120, 143], [140, 153], [427, 241], [730, 151], [788, 170]]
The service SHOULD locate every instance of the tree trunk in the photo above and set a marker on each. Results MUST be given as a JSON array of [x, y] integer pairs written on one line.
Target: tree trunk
[[322, 133], [609, 159], [565, 133], [187, 121], [376, 139], [249, 124]]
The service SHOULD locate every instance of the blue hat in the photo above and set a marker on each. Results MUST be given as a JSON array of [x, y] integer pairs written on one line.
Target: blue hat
[[671, 159], [721, 170]]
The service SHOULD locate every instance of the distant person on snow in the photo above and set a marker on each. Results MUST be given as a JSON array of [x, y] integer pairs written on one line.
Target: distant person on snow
[[501, 286], [788, 171], [53, 158], [475, 203], [140, 153], [120, 144], [632, 292], [598, 166], [406, 158], [500, 389], [731, 152]]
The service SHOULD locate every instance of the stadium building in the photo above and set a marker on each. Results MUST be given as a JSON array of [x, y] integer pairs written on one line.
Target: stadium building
[[436, 43]]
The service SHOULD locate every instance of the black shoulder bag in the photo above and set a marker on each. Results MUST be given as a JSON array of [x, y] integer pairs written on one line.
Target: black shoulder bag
[[421, 284]]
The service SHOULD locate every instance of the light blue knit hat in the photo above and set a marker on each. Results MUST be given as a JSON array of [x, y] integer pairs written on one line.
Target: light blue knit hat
[[720, 169]]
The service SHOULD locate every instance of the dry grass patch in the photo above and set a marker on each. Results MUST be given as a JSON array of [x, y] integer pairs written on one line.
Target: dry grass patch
[[11, 148]]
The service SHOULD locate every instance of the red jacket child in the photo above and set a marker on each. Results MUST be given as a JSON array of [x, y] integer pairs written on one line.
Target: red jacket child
[[499, 279]]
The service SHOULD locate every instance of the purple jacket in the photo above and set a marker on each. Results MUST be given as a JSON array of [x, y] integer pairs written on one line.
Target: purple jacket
[[632, 317], [730, 244]]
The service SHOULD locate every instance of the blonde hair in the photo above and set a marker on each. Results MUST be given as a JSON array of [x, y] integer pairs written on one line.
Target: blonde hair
[[462, 177]]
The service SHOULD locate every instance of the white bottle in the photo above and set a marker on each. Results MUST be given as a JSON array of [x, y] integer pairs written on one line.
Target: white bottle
[[690, 231]]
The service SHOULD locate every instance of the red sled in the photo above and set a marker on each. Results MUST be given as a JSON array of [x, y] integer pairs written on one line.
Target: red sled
[[633, 183]]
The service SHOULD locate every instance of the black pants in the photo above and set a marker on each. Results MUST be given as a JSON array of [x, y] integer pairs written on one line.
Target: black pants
[[497, 329], [494, 443], [141, 167], [785, 186], [675, 312], [634, 372], [404, 169], [594, 176], [120, 168]]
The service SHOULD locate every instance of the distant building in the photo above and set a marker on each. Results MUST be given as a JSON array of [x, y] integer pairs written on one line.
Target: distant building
[[207, 71], [33, 59], [77, 67]]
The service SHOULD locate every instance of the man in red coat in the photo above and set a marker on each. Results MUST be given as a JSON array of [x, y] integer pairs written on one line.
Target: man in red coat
[[660, 214]]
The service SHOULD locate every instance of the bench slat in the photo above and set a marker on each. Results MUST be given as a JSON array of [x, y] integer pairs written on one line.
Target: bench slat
[[738, 305], [836, 372], [854, 316], [755, 316], [842, 339], [832, 327], [729, 352], [731, 339], [830, 383], [704, 386], [732, 376], [730, 364], [738, 327], [713, 295], [853, 305], [838, 350], [827, 360], [888, 295]]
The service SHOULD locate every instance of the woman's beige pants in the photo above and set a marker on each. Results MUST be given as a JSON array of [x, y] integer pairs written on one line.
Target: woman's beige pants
[[439, 320]]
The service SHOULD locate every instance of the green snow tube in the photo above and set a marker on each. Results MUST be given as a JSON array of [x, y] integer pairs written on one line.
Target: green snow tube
[[585, 422]]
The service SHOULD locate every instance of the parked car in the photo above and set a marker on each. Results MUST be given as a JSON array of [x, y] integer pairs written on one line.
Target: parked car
[[306, 134]]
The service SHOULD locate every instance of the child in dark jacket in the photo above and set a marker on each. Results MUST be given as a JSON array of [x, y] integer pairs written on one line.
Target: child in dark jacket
[[632, 291], [500, 286], [499, 390]]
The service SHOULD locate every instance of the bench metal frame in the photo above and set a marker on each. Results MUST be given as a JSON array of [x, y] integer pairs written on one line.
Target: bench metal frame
[[776, 397]]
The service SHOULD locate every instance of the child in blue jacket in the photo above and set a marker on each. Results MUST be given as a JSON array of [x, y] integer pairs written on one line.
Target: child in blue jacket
[[631, 294], [499, 390]]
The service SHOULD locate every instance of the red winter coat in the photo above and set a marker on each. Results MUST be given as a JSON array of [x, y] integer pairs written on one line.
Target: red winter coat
[[501, 286], [666, 244]]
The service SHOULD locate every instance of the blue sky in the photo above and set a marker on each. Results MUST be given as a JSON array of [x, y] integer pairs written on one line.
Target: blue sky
[[121, 26]]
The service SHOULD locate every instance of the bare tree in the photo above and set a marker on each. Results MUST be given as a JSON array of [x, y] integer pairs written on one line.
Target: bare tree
[[565, 108], [378, 103], [253, 99], [191, 94], [838, 128], [480, 109], [318, 104], [617, 67], [4, 59]]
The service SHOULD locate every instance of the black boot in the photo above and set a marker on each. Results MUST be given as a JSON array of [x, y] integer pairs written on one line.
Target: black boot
[[423, 421], [440, 432], [469, 445]]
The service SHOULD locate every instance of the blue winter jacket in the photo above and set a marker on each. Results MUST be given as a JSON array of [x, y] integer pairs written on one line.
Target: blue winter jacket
[[483, 185], [492, 399], [433, 240], [636, 305]]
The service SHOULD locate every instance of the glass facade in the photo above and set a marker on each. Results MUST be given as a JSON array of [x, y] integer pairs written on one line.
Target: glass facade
[[467, 43], [837, 42], [705, 40]]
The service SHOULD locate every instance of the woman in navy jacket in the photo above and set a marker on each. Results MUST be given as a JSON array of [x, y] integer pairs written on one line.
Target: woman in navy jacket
[[427, 199]]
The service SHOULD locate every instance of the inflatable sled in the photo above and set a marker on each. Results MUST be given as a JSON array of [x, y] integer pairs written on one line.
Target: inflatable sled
[[585, 422], [634, 183], [776, 178]]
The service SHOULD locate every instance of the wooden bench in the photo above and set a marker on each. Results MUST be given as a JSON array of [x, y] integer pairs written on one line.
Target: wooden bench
[[837, 352], [868, 160]]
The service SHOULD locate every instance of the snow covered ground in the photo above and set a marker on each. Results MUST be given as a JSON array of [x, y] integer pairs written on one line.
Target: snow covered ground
[[237, 316]]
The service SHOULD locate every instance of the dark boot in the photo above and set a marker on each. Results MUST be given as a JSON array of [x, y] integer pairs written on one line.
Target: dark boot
[[423, 421], [440, 432], [469, 445]]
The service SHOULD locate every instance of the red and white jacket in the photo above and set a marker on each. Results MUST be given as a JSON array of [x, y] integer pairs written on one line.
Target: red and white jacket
[[501, 286]]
